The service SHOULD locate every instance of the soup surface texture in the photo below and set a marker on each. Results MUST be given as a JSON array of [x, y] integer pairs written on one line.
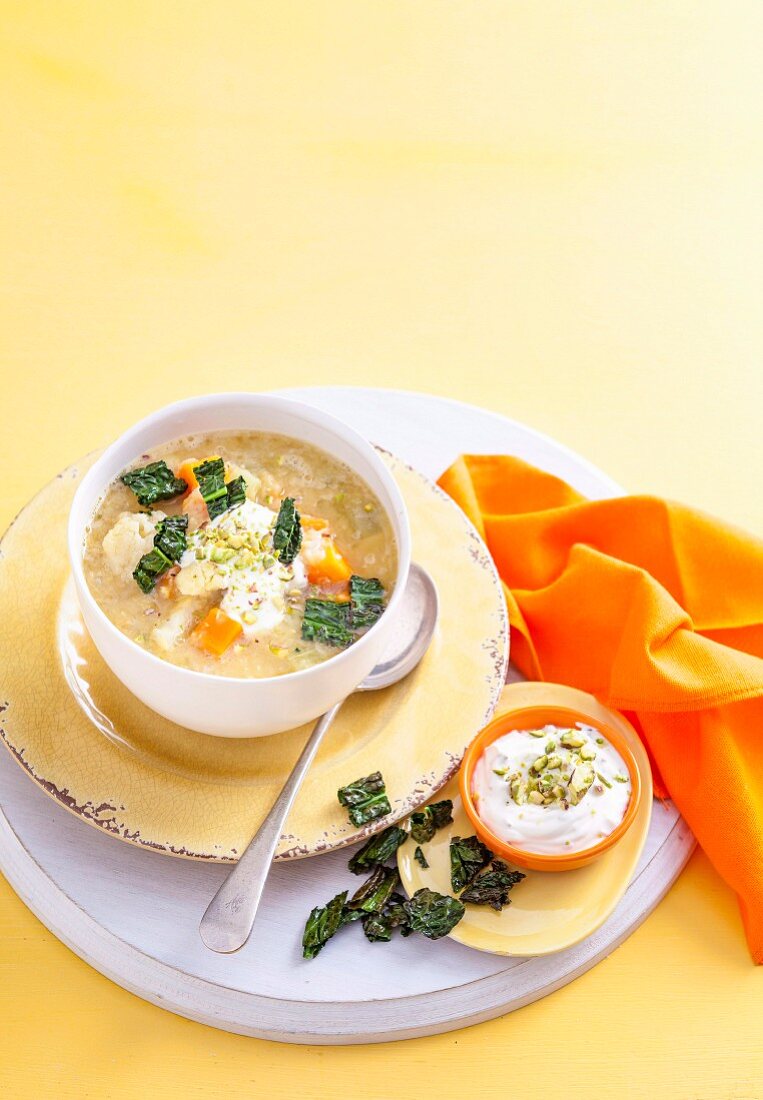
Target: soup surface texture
[[243, 554]]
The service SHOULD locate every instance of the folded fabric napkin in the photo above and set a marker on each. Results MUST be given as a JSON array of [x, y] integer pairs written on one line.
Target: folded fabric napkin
[[658, 611]]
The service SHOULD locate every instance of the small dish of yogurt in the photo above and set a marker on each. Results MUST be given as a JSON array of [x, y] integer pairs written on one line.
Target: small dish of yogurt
[[547, 788]]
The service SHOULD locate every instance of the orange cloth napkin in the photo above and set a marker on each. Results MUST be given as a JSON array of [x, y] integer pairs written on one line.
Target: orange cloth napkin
[[658, 611]]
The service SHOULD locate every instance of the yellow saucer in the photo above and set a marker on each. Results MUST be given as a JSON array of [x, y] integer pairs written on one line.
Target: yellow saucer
[[549, 911], [82, 736]]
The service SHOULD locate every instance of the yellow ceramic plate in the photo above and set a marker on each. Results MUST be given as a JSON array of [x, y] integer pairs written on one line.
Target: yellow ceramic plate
[[92, 746], [548, 912]]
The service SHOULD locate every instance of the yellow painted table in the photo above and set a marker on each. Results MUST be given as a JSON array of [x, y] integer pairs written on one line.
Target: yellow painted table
[[550, 209]]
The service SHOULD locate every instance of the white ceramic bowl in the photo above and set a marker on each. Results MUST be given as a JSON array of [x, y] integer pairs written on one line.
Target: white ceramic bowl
[[221, 705]]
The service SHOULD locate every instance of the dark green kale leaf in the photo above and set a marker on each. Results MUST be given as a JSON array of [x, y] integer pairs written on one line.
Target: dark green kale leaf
[[492, 887], [210, 475], [235, 492], [322, 924], [153, 482], [468, 855], [375, 892], [170, 536], [426, 822], [377, 928], [366, 798], [327, 621], [366, 601], [433, 914], [420, 858], [169, 545], [287, 534], [378, 849], [150, 568], [380, 926]]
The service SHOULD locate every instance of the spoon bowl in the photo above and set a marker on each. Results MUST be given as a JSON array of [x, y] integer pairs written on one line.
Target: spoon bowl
[[416, 624]]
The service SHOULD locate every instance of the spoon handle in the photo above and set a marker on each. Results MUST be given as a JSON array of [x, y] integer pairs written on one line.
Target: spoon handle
[[227, 923]]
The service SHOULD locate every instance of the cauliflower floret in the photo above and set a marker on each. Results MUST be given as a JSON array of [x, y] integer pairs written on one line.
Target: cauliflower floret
[[199, 578], [171, 629], [252, 483], [129, 539]]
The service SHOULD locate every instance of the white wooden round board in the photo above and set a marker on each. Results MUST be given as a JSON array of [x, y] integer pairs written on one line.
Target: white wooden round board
[[134, 914]]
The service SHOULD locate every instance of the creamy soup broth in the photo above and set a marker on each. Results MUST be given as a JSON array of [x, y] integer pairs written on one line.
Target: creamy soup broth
[[266, 598]]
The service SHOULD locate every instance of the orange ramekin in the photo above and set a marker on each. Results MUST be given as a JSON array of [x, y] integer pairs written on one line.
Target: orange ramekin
[[525, 718]]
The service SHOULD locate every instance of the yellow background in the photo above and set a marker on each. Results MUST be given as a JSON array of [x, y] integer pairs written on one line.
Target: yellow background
[[548, 208]]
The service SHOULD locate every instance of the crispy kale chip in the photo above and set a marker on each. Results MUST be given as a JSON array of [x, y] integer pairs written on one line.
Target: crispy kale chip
[[170, 536], [169, 545], [374, 893], [366, 601], [153, 482], [287, 534], [420, 858], [218, 496], [339, 622], [210, 475], [365, 799], [378, 850], [323, 922], [492, 887], [379, 927], [468, 855], [426, 822], [327, 621], [235, 492], [433, 914]]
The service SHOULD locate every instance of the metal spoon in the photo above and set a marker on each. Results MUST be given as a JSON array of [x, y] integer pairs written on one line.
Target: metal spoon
[[228, 921]]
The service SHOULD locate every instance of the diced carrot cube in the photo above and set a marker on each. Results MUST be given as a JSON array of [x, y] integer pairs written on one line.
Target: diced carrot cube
[[216, 632], [330, 568]]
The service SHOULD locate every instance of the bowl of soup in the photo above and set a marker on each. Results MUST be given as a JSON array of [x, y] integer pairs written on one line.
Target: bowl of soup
[[239, 560]]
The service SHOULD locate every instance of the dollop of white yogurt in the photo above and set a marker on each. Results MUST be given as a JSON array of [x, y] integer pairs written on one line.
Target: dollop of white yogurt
[[505, 779], [234, 552]]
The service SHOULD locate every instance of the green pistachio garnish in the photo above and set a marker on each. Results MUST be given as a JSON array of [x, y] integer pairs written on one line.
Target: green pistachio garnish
[[572, 740], [601, 779], [550, 746]]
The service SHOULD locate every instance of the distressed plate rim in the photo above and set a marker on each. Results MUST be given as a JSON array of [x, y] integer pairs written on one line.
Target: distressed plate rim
[[423, 786]]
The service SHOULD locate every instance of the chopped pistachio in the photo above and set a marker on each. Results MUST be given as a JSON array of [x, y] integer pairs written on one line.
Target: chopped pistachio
[[539, 764], [600, 741], [535, 797], [602, 779], [587, 753], [572, 740], [554, 762], [621, 779], [550, 746], [537, 733]]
